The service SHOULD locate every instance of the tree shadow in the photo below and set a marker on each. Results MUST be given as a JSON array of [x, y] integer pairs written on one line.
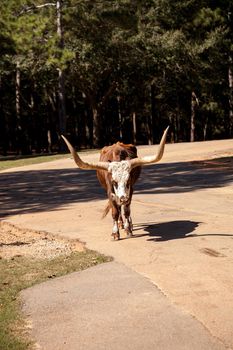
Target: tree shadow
[[45, 190], [186, 176]]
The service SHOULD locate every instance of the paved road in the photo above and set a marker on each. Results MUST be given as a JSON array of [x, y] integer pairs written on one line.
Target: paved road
[[182, 212], [110, 307]]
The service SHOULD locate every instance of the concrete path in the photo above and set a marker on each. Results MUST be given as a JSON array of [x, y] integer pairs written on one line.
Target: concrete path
[[110, 307], [182, 212]]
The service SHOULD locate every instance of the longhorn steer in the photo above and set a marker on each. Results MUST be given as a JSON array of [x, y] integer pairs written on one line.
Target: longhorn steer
[[117, 171]]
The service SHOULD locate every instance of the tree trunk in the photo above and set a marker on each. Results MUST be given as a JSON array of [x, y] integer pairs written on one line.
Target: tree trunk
[[177, 120], [3, 124], [61, 100], [87, 134], [149, 130], [96, 127], [194, 103], [134, 128], [119, 117], [36, 139], [154, 124], [17, 94], [205, 129], [17, 108], [49, 140], [230, 69], [51, 117], [61, 84], [230, 82]]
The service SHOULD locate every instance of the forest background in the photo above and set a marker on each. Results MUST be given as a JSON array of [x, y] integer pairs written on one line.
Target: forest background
[[103, 71]]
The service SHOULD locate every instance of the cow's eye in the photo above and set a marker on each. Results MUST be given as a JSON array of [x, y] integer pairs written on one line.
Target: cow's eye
[[115, 184]]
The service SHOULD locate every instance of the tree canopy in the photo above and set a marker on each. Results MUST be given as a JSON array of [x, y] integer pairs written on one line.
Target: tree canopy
[[100, 71]]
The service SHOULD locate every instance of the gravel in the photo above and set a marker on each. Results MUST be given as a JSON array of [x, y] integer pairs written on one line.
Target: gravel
[[15, 241]]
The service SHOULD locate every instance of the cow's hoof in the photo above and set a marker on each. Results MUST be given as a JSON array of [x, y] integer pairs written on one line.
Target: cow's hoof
[[115, 236], [129, 233]]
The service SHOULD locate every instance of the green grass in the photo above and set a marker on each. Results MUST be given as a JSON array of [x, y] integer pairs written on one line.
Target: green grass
[[21, 161], [16, 161], [20, 273]]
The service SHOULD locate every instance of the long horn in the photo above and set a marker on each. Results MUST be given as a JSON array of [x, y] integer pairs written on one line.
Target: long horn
[[151, 159], [83, 165]]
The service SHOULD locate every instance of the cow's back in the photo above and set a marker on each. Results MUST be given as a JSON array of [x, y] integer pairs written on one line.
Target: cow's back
[[117, 152]]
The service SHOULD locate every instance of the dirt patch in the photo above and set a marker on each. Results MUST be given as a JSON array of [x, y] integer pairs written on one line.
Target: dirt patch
[[15, 241]]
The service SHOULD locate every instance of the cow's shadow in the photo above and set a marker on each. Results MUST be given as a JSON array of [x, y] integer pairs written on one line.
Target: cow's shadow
[[166, 231]]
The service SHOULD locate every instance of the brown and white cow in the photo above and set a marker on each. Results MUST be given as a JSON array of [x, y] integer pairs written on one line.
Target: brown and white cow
[[117, 170]]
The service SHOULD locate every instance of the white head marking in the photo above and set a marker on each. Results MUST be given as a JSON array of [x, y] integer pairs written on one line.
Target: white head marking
[[120, 170], [120, 175]]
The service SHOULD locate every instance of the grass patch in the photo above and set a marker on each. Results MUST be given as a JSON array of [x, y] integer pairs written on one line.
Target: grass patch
[[21, 161], [16, 161], [23, 272]]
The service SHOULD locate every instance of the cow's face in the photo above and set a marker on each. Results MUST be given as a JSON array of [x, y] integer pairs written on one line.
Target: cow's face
[[120, 172]]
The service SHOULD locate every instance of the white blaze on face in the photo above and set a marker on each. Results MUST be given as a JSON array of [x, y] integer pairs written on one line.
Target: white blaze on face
[[120, 175]]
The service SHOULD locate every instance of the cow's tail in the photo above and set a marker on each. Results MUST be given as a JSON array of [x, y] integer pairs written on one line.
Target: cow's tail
[[106, 210]]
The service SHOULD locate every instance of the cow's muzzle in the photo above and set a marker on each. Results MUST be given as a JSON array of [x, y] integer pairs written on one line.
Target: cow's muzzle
[[124, 199]]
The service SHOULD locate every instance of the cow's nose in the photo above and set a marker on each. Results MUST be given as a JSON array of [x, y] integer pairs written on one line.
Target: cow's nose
[[123, 199]]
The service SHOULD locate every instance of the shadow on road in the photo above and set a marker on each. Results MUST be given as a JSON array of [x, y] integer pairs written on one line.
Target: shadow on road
[[186, 176], [35, 191], [166, 231]]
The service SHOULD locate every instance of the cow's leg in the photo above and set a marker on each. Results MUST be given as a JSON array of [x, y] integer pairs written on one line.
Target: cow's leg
[[115, 216], [120, 219], [128, 226]]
